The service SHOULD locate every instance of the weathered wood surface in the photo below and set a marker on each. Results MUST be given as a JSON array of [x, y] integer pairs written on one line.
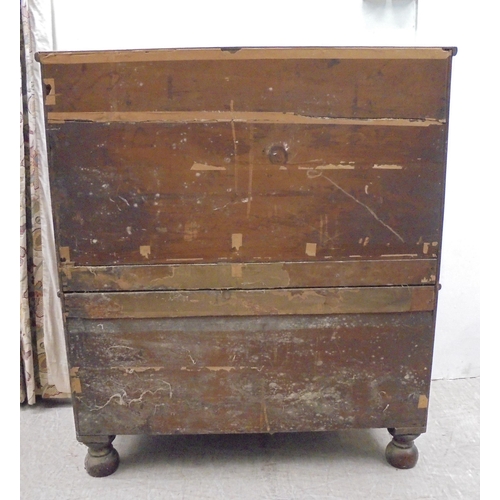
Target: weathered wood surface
[[263, 374], [249, 239], [158, 193], [339, 84], [248, 275], [250, 302]]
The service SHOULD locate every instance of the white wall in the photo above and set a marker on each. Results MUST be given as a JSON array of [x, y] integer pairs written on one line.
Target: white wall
[[115, 24], [445, 22], [120, 24]]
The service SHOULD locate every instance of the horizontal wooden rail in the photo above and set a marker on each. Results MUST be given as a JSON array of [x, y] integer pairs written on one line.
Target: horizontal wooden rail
[[250, 302], [249, 276]]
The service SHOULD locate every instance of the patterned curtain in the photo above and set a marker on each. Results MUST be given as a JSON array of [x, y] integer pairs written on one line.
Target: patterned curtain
[[43, 359]]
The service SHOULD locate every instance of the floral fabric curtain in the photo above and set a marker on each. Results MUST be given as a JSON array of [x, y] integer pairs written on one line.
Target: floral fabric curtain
[[43, 358]]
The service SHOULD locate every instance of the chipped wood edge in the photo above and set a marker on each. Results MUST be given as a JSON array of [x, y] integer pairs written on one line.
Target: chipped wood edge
[[231, 117]]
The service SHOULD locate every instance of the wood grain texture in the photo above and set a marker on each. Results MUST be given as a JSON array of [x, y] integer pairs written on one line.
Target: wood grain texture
[[251, 375], [229, 116], [248, 275], [183, 189], [229, 53], [250, 302], [332, 86], [249, 239]]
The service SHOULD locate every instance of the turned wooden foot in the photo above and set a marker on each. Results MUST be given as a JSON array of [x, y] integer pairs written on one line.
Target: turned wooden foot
[[401, 452], [102, 459]]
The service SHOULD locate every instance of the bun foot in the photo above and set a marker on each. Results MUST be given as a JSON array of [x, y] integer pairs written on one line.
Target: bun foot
[[102, 459], [401, 452]]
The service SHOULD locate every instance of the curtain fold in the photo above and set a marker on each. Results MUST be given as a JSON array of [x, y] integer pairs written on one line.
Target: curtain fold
[[43, 355]]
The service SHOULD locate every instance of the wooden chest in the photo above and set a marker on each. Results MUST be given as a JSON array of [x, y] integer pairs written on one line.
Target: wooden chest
[[249, 239]]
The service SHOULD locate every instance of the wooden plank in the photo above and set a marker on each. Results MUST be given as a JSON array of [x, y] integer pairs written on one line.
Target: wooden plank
[[348, 190], [251, 374], [246, 53], [248, 275], [250, 302], [339, 84], [197, 343]]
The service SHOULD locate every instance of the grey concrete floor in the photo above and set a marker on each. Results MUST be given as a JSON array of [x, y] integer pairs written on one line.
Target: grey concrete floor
[[337, 465]]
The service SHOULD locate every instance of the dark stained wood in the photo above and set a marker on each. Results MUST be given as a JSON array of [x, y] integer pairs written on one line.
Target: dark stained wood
[[251, 375], [250, 302], [102, 459], [249, 275], [346, 191], [336, 86], [401, 452], [249, 239]]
